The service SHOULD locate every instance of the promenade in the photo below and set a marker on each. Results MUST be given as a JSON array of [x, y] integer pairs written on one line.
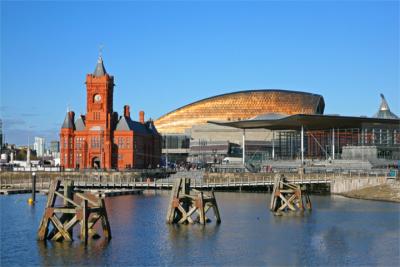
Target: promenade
[[338, 182]]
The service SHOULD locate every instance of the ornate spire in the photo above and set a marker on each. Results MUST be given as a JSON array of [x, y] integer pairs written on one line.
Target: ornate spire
[[384, 110], [100, 70]]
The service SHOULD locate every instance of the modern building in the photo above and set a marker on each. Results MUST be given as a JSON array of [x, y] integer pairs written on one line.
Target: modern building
[[317, 136], [39, 146], [103, 139], [239, 106], [187, 126], [210, 142]]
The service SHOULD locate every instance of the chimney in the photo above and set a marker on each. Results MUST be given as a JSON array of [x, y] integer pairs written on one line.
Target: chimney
[[127, 112], [141, 117]]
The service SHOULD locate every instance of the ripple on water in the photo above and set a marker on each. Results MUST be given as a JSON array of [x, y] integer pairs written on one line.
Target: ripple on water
[[339, 231]]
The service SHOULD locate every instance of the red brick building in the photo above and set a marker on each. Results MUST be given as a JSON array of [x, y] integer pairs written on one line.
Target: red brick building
[[101, 138]]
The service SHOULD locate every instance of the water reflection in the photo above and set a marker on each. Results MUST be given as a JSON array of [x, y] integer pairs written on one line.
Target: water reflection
[[338, 231], [71, 253], [179, 232]]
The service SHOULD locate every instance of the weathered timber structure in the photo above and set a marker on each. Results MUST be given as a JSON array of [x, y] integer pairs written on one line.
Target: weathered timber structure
[[288, 197], [83, 208], [183, 205]]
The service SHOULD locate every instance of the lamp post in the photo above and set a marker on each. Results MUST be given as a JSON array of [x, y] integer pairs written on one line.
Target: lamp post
[[166, 152], [101, 148], [244, 147]]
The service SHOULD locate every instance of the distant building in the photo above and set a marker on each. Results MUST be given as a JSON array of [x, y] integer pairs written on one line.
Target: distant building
[[101, 138], [54, 146], [39, 146]]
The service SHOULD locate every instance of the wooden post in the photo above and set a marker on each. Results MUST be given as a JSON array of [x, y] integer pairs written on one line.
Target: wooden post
[[104, 221], [215, 207], [90, 210], [172, 201], [183, 205], [44, 223], [200, 207], [68, 191], [288, 196], [33, 187], [84, 221]]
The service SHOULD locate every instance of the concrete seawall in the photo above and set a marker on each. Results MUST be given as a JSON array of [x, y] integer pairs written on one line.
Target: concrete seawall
[[341, 185]]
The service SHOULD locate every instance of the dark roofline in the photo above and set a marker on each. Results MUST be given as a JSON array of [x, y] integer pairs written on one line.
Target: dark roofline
[[310, 122], [241, 92]]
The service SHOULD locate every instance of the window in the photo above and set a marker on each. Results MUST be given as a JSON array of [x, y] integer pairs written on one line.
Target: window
[[128, 142], [96, 116], [78, 142], [175, 141], [95, 142], [78, 159]]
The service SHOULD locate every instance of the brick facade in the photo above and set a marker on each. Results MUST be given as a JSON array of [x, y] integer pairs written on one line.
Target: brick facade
[[102, 138]]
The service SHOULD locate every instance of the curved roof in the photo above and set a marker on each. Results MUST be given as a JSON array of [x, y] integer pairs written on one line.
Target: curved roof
[[242, 92], [239, 106], [269, 116], [310, 122]]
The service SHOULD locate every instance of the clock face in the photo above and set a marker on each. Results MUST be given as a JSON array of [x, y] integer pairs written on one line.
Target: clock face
[[97, 98]]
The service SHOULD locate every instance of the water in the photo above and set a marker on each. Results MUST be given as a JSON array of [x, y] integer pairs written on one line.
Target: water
[[339, 232]]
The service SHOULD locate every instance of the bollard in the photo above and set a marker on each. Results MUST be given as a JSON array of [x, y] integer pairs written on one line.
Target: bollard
[[33, 187]]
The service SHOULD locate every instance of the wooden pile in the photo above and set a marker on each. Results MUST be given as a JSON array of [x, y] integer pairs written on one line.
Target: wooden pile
[[288, 197], [83, 208], [183, 205]]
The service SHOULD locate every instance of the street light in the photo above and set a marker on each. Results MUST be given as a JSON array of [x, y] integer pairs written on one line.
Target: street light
[[166, 152]]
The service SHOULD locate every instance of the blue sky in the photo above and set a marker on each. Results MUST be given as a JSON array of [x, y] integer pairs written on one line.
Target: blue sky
[[167, 54]]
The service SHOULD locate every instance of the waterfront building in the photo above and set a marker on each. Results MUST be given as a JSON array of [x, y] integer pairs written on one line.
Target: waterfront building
[[103, 139], [188, 125], [202, 139], [39, 146], [239, 106], [318, 136], [184, 128]]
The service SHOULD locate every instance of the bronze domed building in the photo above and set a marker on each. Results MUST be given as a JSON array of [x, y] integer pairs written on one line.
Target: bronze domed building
[[239, 106]]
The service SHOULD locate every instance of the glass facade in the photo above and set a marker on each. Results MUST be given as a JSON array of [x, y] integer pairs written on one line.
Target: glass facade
[[175, 141]]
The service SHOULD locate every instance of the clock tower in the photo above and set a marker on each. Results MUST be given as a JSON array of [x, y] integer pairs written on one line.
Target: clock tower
[[99, 103], [101, 138], [99, 99]]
